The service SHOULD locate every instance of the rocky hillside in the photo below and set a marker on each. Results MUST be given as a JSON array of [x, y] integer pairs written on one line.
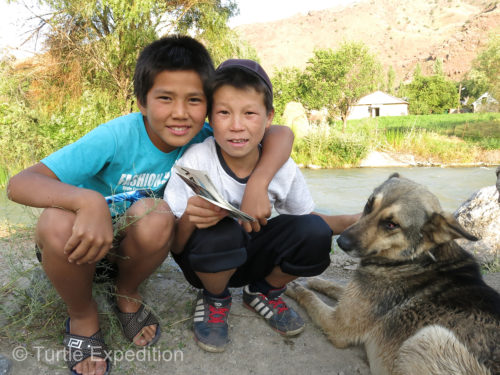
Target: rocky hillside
[[400, 33]]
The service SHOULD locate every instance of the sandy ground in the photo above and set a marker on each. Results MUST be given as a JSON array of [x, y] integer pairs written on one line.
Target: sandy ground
[[254, 349]]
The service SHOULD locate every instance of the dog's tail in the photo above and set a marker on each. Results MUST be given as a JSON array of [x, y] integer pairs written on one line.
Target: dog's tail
[[435, 350]]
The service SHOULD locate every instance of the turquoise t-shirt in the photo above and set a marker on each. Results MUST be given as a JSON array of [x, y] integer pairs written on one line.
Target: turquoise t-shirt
[[117, 157]]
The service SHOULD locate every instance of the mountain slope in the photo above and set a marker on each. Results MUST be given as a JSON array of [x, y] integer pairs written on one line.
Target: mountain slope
[[400, 34]]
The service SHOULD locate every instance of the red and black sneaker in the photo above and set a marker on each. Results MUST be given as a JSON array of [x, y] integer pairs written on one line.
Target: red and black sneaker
[[210, 322], [274, 310]]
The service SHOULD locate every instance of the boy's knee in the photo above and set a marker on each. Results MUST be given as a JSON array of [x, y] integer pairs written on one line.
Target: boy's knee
[[218, 248], [53, 229], [312, 254], [315, 231], [152, 223]]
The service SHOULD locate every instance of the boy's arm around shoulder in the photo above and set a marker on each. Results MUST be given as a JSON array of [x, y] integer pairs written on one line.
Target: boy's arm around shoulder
[[276, 150], [339, 223], [92, 232]]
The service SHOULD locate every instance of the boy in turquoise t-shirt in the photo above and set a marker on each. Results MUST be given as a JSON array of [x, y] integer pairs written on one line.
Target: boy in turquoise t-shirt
[[130, 153]]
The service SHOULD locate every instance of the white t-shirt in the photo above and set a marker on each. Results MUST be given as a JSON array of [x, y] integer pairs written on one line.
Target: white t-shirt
[[288, 192]]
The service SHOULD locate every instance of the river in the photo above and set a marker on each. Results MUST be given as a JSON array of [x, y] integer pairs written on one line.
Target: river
[[342, 191]]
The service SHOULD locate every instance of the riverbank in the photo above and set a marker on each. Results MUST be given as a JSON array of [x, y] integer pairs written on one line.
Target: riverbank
[[437, 140], [381, 159], [394, 159]]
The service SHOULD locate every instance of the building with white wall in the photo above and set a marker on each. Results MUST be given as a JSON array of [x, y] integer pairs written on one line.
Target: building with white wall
[[378, 104]]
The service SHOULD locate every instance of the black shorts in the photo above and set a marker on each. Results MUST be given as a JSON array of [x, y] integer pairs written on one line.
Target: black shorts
[[299, 244]]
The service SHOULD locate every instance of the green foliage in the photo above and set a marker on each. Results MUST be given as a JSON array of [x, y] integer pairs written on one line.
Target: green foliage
[[474, 85], [438, 67], [485, 73], [207, 21], [104, 37], [434, 94], [85, 78], [338, 79], [477, 129], [391, 78], [447, 138], [329, 148], [288, 86], [487, 66], [418, 71], [29, 132]]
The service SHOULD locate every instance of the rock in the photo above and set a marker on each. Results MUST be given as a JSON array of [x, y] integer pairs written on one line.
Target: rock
[[383, 159], [295, 117], [4, 365], [480, 216], [498, 182]]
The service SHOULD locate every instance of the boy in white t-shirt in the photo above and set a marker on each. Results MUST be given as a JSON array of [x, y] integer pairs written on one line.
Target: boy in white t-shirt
[[213, 250]]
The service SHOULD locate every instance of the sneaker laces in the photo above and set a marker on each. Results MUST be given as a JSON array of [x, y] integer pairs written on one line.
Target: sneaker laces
[[217, 314], [279, 304]]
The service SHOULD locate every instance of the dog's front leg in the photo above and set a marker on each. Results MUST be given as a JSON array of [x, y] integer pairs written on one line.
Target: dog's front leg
[[322, 315], [328, 288]]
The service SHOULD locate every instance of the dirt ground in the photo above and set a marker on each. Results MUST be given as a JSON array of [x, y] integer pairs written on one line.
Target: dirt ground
[[254, 347]]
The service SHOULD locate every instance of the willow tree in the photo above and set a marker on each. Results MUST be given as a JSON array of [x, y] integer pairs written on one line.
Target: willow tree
[[337, 79], [103, 38]]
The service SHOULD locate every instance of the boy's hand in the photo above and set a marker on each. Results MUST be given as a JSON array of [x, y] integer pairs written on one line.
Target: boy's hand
[[92, 235], [202, 213], [255, 203]]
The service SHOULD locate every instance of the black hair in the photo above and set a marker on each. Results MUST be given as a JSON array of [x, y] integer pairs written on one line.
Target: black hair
[[174, 53], [240, 79]]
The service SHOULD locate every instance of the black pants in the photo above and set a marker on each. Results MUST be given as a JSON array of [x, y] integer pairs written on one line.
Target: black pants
[[300, 245]]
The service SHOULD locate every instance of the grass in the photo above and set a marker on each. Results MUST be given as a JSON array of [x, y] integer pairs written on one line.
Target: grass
[[449, 138], [491, 267], [329, 148], [32, 314]]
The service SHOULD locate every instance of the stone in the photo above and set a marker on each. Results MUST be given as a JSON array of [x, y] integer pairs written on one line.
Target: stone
[[295, 117], [480, 216], [498, 182], [4, 365]]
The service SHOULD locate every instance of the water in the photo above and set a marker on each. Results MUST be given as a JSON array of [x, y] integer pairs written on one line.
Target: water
[[344, 191]]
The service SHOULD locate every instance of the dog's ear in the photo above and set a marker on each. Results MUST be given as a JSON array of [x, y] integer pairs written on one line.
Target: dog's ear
[[396, 174], [443, 227]]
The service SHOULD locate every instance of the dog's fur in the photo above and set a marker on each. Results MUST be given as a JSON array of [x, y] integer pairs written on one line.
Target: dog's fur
[[417, 301]]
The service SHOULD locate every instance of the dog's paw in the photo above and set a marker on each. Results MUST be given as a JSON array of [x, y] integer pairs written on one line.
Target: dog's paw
[[293, 289], [317, 283]]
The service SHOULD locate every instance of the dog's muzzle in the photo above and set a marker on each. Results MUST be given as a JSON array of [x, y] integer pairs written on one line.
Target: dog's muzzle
[[345, 243]]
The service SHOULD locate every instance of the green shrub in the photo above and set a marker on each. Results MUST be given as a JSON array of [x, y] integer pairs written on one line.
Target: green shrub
[[330, 149]]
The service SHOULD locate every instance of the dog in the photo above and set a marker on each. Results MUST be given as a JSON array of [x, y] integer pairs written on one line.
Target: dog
[[417, 300]]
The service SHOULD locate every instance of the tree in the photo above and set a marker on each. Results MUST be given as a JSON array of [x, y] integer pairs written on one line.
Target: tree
[[288, 86], [438, 67], [102, 38], [391, 77], [338, 79], [473, 86], [434, 94], [207, 22], [485, 72], [418, 71]]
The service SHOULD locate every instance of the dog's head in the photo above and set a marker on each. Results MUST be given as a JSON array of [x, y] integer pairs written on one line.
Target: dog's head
[[401, 220]]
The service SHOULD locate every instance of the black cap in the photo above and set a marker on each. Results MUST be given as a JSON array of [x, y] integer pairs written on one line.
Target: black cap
[[250, 66]]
